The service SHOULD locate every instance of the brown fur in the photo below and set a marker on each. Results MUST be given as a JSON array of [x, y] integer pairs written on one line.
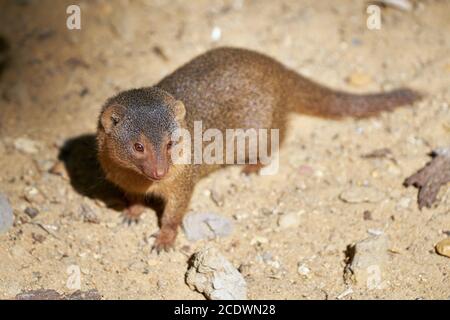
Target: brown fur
[[225, 88]]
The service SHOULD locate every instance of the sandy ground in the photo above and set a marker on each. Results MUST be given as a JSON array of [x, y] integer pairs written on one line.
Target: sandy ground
[[56, 80]]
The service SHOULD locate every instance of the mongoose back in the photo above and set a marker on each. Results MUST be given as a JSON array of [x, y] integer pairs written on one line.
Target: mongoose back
[[224, 88]]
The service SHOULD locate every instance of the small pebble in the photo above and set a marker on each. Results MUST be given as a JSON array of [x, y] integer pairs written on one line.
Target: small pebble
[[443, 247], [33, 195], [267, 256], [38, 237], [240, 216], [289, 220], [358, 79], [258, 240], [367, 215], [303, 269], [362, 194], [217, 198], [32, 212], [375, 232], [152, 262], [347, 292], [403, 203], [245, 269]]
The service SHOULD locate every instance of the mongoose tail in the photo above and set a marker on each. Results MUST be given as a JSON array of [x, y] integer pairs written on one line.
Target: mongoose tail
[[313, 99]]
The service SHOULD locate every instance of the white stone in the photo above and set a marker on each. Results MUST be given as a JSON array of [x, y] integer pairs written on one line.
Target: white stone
[[289, 220], [214, 276], [303, 270]]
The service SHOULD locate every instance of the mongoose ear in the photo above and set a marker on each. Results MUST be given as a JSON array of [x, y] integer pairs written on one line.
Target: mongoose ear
[[179, 110], [111, 116]]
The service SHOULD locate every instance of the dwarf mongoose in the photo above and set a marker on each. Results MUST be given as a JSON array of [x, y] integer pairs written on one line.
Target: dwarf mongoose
[[224, 88]]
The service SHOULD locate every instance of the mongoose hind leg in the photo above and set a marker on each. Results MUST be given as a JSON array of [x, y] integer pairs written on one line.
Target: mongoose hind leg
[[255, 168], [249, 169]]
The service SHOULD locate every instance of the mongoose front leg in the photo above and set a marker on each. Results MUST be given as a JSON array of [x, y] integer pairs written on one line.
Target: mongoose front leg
[[176, 207], [135, 208]]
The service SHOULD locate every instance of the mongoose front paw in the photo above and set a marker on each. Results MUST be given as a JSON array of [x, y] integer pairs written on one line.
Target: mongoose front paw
[[132, 214], [165, 240]]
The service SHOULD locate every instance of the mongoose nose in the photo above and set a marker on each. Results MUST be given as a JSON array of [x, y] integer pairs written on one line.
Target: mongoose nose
[[159, 173]]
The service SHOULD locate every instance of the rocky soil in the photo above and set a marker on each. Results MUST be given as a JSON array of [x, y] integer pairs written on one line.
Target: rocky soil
[[335, 223]]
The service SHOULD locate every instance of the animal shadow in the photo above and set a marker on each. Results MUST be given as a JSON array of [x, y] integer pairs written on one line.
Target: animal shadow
[[79, 155], [4, 54]]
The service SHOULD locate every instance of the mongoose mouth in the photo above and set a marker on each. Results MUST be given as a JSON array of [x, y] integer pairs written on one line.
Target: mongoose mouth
[[154, 176]]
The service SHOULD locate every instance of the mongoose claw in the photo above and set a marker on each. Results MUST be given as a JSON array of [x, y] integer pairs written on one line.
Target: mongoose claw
[[132, 214], [130, 220], [160, 248], [164, 241]]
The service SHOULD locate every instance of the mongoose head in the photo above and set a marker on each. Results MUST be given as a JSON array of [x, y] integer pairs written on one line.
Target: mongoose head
[[135, 129]]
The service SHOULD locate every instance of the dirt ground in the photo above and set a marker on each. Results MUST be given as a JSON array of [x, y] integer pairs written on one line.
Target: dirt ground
[[56, 79]]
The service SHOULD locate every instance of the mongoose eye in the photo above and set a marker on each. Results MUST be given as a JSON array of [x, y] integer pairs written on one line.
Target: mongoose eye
[[169, 144], [139, 147]]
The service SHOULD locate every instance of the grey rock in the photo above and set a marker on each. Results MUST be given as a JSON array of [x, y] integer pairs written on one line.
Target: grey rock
[[213, 275], [206, 225], [33, 195], [6, 214], [50, 294], [367, 262], [289, 220]]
